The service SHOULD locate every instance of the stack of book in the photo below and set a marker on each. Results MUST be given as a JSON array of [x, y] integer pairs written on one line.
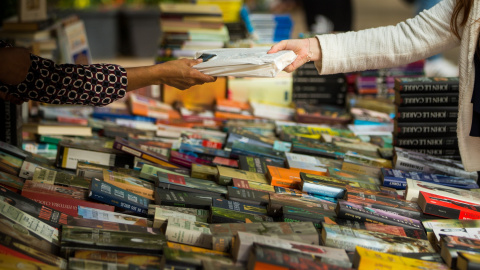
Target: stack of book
[[313, 89], [243, 194], [187, 28], [380, 82], [426, 115]]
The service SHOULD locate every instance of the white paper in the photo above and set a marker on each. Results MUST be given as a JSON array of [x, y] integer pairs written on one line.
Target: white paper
[[245, 62]]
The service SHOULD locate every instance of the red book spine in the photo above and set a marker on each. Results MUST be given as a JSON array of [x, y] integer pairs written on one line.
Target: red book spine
[[68, 206], [448, 207]]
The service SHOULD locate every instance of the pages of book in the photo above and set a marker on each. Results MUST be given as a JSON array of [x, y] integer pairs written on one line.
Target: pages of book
[[244, 62]]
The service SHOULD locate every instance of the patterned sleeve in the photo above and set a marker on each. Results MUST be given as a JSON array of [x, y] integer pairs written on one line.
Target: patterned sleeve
[[94, 85]]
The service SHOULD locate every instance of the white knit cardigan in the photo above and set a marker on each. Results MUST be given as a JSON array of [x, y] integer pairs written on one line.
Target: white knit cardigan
[[414, 39]]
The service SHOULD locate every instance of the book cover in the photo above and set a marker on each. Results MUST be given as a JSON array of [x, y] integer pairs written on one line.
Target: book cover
[[352, 211], [118, 258], [191, 259], [307, 162], [351, 176], [129, 183], [57, 177], [366, 258], [349, 238], [446, 207], [10, 164], [110, 225], [11, 182], [311, 184], [390, 229], [136, 150], [451, 245], [201, 215], [204, 172], [226, 162], [112, 195], [241, 148], [304, 232]]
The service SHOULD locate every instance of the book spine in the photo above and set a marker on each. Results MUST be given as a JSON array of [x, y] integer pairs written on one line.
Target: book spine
[[444, 209], [113, 195], [426, 87], [447, 129], [394, 183], [426, 114], [11, 119], [426, 99], [426, 143], [138, 153]]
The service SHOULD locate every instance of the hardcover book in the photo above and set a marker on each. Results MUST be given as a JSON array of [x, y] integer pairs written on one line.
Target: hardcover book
[[424, 129], [426, 84], [426, 114]]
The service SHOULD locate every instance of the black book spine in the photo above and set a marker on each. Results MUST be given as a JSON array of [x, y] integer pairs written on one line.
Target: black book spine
[[180, 199], [426, 114], [422, 86], [427, 143], [424, 129], [436, 99], [11, 119], [445, 153]]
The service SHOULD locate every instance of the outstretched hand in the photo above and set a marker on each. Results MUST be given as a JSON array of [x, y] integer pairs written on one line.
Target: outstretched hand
[[306, 50], [181, 75]]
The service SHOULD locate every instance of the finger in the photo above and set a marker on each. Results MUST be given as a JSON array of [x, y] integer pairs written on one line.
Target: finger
[[278, 47]]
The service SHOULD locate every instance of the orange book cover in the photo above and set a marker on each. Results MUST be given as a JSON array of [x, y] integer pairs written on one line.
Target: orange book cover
[[145, 106], [288, 178], [205, 94], [229, 115]]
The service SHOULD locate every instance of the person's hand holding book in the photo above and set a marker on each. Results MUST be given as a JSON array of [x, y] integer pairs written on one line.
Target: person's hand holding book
[[306, 50]]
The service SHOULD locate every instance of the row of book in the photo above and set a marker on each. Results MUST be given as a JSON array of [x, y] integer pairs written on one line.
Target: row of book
[[146, 188]]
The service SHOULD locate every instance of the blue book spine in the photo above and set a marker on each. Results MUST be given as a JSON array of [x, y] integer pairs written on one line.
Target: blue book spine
[[112, 195], [323, 190], [394, 183]]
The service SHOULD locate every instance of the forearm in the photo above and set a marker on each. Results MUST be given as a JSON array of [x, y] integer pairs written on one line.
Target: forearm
[[14, 66], [139, 77]]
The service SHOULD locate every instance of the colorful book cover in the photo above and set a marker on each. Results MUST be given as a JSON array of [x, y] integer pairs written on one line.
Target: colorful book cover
[[446, 207]]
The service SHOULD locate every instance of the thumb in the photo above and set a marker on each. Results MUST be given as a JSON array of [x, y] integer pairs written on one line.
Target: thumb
[[277, 47]]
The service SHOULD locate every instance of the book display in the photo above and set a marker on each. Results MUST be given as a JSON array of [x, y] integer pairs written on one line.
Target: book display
[[318, 177]]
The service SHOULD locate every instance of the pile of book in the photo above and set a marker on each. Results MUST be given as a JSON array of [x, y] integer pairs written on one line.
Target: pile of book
[[426, 115], [187, 28], [149, 189]]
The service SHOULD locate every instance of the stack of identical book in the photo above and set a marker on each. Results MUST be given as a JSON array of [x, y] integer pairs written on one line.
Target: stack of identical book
[[426, 115]]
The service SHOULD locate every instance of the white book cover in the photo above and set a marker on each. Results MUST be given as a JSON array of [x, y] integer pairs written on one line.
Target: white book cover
[[244, 62], [103, 215], [414, 187]]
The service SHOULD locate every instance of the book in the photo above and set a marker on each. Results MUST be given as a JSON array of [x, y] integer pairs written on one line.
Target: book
[[466, 261], [446, 207], [63, 199], [426, 84], [112, 195], [129, 183], [225, 176], [299, 161], [119, 259], [110, 225], [11, 116], [182, 199], [257, 186], [162, 215], [133, 149], [351, 176], [241, 148], [426, 114], [48, 215], [251, 196], [424, 129], [376, 227], [223, 234], [12, 262], [256, 164], [269, 257], [57, 128], [11, 182], [188, 232], [225, 211], [189, 184], [245, 240], [398, 179], [133, 242], [193, 258], [10, 164], [366, 258], [57, 177], [204, 172], [352, 211], [414, 187], [349, 238], [432, 224], [102, 215], [451, 245]]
